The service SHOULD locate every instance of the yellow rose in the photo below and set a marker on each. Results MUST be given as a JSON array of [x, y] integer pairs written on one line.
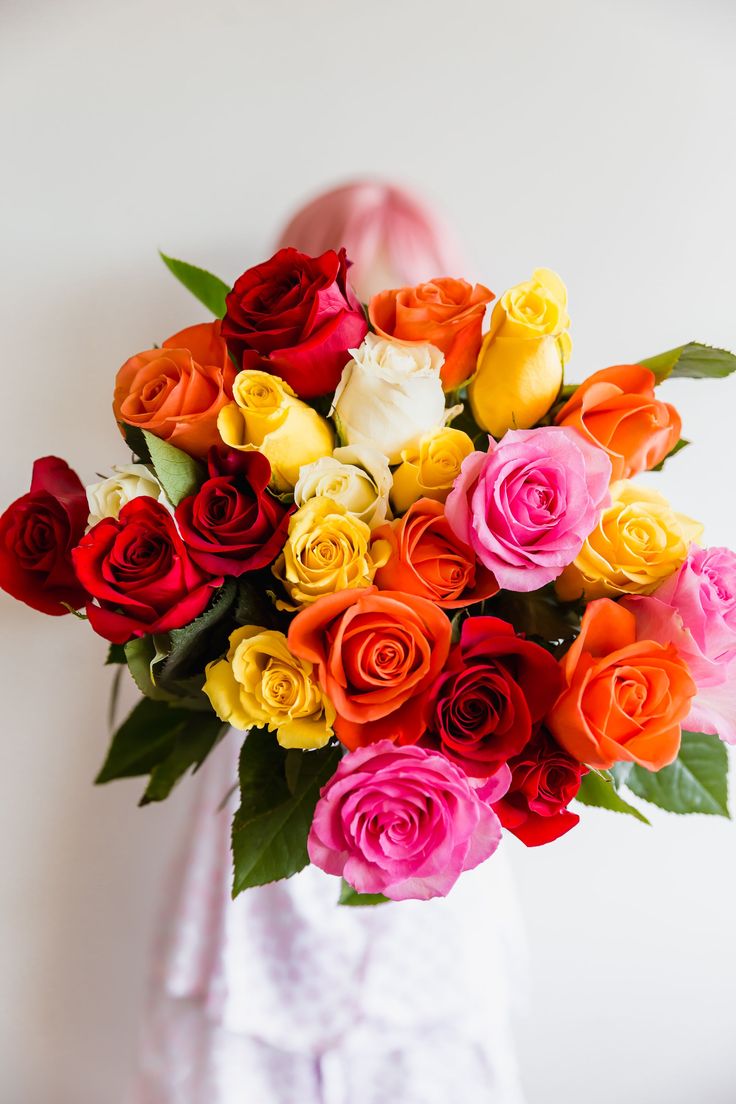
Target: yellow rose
[[522, 358], [267, 416], [262, 683], [430, 469], [327, 550], [638, 543]]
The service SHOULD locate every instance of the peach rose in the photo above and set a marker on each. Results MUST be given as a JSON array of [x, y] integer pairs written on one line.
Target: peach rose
[[625, 698], [617, 410], [444, 312], [375, 655], [426, 558], [177, 391]]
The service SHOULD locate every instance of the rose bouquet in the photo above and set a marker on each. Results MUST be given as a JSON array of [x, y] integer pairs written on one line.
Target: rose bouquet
[[396, 550]]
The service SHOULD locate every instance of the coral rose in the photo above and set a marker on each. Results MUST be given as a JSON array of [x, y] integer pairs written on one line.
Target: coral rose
[[426, 557], [376, 655], [177, 391], [402, 821], [37, 534], [617, 409], [625, 697], [444, 312], [494, 690]]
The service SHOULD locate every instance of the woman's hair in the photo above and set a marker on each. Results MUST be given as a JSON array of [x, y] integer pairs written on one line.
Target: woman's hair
[[392, 237]]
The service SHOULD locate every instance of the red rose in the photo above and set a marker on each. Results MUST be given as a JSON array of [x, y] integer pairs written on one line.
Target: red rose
[[544, 780], [495, 689], [139, 570], [37, 534], [232, 524], [296, 316]]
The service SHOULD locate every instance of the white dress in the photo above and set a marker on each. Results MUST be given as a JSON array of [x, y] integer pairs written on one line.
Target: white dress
[[282, 997]]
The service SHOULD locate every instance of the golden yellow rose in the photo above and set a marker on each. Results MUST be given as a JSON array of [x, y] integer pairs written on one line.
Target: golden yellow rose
[[262, 683], [522, 358], [639, 542], [430, 469], [327, 550], [267, 415]]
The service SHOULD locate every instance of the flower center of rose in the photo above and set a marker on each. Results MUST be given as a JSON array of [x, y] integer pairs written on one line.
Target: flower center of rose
[[280, 685]]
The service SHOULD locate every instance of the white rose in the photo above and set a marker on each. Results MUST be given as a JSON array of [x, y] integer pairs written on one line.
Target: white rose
[[107, 498], [356, 476], [389, 395]]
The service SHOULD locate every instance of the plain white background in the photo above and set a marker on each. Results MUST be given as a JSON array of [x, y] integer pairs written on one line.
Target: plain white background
[[596, 138]]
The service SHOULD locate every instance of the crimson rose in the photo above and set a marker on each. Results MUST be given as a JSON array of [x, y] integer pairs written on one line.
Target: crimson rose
[[296, 316], [139, 570], [544, 780], [496, 687], [232, 524], [37, 534]]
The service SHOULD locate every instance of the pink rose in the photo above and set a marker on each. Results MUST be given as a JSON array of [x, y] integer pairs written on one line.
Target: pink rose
[[402, 821], [695, 609], [527, 505]]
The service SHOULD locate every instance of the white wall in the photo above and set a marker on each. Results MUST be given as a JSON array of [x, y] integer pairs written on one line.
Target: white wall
[[594, 138]]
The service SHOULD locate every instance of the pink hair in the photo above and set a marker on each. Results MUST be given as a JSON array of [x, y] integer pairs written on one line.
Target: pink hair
[[392, 237]]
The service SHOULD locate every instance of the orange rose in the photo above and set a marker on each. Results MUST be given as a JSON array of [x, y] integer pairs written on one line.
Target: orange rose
[[177, 391], [428, 559], [375, 655], [444, 312], [625, 698], [617, 410]]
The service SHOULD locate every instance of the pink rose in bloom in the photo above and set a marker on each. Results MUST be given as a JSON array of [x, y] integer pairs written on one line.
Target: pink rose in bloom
[[527, 505], [402, 821], [695, 609]]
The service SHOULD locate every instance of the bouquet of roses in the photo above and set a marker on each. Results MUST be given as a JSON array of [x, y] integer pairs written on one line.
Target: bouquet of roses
[[405, 558]]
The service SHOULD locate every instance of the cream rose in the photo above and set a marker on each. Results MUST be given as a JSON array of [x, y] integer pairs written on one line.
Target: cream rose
[[107, 497], [356, 476], [389, 394]]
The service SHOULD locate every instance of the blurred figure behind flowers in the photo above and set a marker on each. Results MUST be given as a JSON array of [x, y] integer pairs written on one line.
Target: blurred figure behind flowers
[[280, 997]]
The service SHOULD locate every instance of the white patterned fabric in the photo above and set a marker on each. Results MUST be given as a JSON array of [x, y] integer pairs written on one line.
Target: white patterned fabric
[[282, 997]]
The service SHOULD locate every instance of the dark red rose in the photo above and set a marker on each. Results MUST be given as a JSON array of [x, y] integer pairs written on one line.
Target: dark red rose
[[544, 780], [37, 534], [139, 570], [296, 316], [495, 689], [232, 524]]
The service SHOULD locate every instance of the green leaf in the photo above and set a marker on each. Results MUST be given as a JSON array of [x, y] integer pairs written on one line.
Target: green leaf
[[681, 444], [350, 896], [136, 442], [538, 614], [115, 654], [271, 826], [697, 782], [179, 474], [141, 653], [692, 361], [188, 645], [143, 740], [465, 422], [192, 741], [598, 791], [209, 289]]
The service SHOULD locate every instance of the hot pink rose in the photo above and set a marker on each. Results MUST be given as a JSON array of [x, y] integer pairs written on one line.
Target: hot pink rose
[[527, 505], [695, 609], [402, 821]]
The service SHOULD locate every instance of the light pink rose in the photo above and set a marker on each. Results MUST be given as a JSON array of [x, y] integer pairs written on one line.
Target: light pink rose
[[402, 821], [527, 505], [695, 609]]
